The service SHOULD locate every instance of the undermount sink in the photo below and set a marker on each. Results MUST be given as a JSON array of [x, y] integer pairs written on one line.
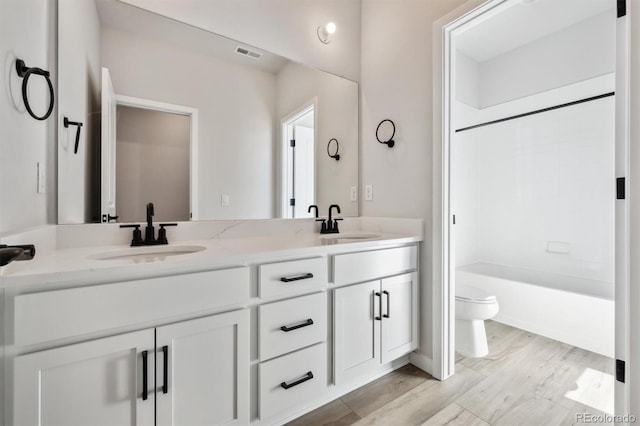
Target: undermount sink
[[146, 254], [349, 236]]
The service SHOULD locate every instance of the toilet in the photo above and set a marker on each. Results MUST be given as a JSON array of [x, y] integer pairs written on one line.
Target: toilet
[[473, 307]]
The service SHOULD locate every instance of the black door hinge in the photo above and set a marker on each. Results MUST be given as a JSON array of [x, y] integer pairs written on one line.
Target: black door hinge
[[620, 183], [292, 202], [454, 219], [292, 143], [622, 8], [620, 370]]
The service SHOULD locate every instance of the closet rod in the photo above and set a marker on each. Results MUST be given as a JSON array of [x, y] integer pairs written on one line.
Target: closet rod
[[551, 108]]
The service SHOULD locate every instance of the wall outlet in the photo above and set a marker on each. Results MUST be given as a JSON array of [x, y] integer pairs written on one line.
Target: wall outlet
[[354, 193], [41, 184], [224, 200], [368, 192]]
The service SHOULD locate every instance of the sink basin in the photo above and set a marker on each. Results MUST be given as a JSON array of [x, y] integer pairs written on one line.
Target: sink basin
[[146, 254], [343, 238]]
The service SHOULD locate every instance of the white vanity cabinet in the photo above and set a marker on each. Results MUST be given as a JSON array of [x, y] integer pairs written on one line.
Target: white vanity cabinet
[[92, 383], [195, 373], [255, 344], [375, 321], [292, 335], [202, 371], [187, 364]]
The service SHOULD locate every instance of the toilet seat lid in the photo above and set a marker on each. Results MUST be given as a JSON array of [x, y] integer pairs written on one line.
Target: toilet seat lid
[[473, 294]]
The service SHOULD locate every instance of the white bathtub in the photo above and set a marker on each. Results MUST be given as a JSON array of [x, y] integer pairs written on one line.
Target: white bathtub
[[576, 311]]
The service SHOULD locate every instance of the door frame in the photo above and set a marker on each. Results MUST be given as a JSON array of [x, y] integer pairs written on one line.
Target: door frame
[[442, 285], [192, 113], [627, 396], [310, 105]]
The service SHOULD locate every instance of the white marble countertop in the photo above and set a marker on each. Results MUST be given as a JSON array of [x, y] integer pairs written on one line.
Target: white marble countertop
[[77, 266]]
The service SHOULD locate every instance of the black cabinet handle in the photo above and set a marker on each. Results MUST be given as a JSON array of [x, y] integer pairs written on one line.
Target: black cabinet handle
[[306, 377], [165, 369], [379, 318], [145, 379], [297, 326], [297, 277], [388, 304]]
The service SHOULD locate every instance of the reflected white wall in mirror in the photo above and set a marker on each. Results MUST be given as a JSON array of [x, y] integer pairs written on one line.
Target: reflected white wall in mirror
[[240, 100], [152, 161]]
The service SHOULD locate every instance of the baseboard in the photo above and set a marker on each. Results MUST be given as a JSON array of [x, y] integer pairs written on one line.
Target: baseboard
[[421, 361]]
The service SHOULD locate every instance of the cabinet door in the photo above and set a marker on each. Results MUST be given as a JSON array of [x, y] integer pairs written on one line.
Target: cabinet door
[[203, 371], [356, 331], [399, 316], [99, 382]]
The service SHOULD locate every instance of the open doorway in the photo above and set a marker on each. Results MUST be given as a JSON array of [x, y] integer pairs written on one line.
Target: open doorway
[[298, 160], [152, 164], [153, 147], [525, 188]]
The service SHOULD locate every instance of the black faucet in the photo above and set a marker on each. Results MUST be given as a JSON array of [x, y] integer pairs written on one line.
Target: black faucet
[[331, 226], [149, 232], [313, 206]]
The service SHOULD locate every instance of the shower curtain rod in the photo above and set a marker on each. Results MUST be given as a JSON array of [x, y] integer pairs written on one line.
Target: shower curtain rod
[[513, 117]]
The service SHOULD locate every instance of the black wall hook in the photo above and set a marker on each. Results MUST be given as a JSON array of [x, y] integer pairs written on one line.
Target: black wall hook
[[389, 142], [25, 72], [68, 123], [336, 156]]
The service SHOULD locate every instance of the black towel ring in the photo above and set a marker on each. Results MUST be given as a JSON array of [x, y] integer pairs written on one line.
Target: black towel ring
[[390, 142], [25, 72], [336, 155]]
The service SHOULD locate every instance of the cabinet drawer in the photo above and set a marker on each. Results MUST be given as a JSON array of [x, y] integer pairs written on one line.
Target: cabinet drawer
[[292, 324], [368, 265], [51, 315], [277, 279], [293, 380]]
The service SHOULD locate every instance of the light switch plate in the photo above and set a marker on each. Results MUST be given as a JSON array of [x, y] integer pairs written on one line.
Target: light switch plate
[[354, 193], [40, 178], [368, 192], [224, 200]]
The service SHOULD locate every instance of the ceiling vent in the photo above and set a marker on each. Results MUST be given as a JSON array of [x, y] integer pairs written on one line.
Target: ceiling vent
[[246, 52]]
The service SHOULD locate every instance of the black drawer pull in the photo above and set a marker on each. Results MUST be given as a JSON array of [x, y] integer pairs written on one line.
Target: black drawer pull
[[297, 326], [379, 317], [388, 304], [165, 369], [297, 277], [306, 377], [145, 392]]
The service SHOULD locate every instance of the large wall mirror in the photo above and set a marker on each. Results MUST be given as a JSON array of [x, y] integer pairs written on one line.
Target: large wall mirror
[[199, 124]]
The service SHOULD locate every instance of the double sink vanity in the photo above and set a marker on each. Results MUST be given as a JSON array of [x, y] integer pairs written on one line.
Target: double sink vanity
[[237, 322], [219, 320]]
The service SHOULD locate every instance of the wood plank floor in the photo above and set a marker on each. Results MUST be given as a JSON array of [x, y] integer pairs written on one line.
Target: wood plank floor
[[525, 380]]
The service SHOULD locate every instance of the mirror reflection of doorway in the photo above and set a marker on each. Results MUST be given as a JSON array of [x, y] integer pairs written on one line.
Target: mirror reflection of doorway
[[299, 160], [152, 164]]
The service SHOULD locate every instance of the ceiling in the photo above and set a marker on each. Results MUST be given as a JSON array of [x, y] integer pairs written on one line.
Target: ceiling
[[121, 16], [523, 22]]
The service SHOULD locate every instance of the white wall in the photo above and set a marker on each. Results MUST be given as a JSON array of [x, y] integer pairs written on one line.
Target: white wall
[[467, 80], [27, 31], [397, 84], [539, 181], [580, 52], [79, 100], [285, 27], [336, 117], [233, 160]]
